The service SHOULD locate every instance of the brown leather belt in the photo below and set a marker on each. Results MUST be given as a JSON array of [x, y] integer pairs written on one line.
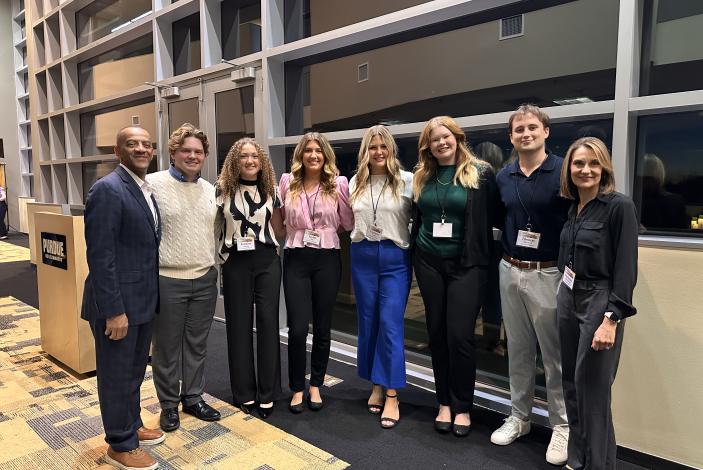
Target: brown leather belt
[[529, 264]]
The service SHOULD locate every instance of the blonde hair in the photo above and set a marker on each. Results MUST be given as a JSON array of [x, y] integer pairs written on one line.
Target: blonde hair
[[329, 172], [468, 166], [228, 181], [393, 166], [567, 187], [175, 141]]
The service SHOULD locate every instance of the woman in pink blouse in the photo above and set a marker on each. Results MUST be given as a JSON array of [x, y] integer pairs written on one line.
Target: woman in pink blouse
[[315, 209]]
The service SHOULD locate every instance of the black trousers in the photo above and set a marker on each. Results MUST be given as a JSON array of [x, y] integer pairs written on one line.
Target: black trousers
[[587, 375], [311, 279], [253, 278], [120, 367], [453, 296], [3, 212]]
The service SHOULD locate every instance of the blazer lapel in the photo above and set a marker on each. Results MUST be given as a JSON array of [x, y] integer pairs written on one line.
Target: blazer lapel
[[134, 189]]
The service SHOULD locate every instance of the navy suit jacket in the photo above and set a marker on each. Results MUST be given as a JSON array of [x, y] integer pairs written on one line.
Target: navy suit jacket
[[122, 250]]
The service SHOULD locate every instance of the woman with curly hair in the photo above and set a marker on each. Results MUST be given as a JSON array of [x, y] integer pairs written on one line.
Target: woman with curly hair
[[381, 197], [250, 207], [452, 236], [315, 209]]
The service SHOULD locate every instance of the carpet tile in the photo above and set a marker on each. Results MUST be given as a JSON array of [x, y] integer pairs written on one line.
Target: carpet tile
[[50, 418]]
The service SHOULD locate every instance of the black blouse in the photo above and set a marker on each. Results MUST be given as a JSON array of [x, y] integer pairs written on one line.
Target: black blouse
[[601, 244]]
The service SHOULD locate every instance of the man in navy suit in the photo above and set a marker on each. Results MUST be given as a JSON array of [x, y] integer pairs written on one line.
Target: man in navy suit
[[121, 295]]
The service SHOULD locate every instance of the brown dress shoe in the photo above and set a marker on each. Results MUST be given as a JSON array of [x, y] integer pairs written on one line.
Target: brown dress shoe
[[150, 437], [136, 459]]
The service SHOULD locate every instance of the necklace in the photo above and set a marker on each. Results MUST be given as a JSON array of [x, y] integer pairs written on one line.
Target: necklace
[[442, 182]]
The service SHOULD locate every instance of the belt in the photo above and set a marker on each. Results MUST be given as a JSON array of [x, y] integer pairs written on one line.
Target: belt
[[529, 264]]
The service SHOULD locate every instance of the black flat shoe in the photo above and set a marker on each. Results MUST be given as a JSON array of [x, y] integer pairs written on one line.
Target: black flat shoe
[[461, 430], [264, 413], [297, 408], [314, 405], [442, 427], [169, 420], [248, 408], [203, 411]]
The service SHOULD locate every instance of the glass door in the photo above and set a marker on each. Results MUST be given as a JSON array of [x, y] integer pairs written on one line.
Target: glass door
[[230, 116], [177, 111]]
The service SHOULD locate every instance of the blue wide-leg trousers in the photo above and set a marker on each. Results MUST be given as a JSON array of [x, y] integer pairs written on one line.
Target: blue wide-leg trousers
[[381, 273]]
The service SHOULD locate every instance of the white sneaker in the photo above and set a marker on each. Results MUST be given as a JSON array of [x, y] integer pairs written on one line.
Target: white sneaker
[[513, 428], [558, 446]]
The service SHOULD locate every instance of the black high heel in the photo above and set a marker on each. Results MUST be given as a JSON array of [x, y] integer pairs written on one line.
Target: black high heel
[[248, 408], [264, 413], [390, 423]]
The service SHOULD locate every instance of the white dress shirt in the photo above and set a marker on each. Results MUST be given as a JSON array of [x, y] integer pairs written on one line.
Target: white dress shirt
[[146, 191]]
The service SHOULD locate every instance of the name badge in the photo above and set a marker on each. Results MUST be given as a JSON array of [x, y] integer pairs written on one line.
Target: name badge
[[527, 239], [374, 234], [245, 244], [569, 277], [442, 230], [311, 237]]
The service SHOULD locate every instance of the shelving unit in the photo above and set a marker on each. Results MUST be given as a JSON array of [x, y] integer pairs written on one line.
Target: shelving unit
[[24, 130]]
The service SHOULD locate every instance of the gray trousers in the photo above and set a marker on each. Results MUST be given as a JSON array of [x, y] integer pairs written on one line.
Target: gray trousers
[[529, 302], [181, 329], [588, 375]]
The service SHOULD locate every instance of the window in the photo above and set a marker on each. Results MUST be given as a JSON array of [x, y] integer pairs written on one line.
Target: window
[[669, 174], [241, 28], [304, 18], [672, 59], [461, 72], [491, 360], [186, 44], [98, 129], [103, 17], [117, 70]]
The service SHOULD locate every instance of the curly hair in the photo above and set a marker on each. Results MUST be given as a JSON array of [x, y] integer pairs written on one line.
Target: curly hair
[[468, 167], [393, 166], [228, 181], [329, 170], [175, 141]]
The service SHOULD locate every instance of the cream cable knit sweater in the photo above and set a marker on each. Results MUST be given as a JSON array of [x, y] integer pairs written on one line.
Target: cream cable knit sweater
[[188, 213]]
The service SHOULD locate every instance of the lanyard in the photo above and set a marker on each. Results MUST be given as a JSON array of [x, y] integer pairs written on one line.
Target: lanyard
[[314, 203], [443, 203], [378, 200], [528, 226]]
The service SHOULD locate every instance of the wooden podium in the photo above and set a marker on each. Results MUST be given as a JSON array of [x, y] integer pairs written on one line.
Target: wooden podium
[[61, 272]]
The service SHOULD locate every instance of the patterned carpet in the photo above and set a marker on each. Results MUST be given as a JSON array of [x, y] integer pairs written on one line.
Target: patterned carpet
[[10, 253], [50, 419]]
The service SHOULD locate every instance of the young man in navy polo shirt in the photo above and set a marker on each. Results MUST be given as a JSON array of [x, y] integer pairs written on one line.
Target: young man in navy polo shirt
[[534, 217]]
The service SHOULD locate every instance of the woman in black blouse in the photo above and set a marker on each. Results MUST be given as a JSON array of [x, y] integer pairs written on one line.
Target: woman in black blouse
[[598, 256], [250, 217]]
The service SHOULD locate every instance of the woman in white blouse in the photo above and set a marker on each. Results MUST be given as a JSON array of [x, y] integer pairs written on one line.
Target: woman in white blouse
[[381, 197], [250, 207]]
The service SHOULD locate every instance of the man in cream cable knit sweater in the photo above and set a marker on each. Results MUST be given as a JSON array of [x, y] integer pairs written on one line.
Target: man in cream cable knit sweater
[[187, 278]]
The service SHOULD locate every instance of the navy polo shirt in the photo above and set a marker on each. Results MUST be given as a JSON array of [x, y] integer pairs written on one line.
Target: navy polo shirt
[[541, 205]]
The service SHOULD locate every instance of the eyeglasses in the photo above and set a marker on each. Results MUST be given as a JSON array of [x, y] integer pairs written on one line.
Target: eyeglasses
[[247, 156]]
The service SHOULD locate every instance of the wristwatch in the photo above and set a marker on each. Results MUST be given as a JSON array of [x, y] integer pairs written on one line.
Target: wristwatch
[[612, 317]]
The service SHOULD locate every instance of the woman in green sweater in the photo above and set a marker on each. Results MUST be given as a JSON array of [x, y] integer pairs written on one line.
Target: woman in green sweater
[[455, 205]]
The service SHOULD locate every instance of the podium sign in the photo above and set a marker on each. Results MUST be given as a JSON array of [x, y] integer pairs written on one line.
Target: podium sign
[[53, 250]]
